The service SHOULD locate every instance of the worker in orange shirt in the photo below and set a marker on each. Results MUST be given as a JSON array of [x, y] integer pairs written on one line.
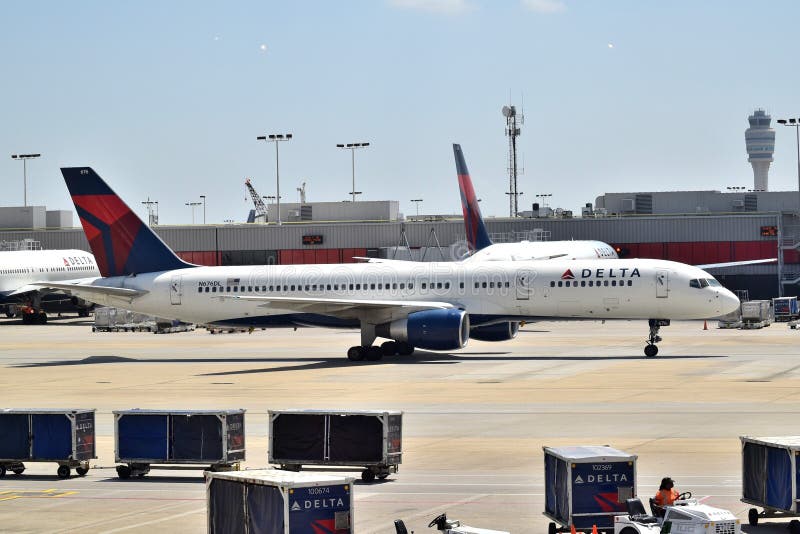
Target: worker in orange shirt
[[667, 494]]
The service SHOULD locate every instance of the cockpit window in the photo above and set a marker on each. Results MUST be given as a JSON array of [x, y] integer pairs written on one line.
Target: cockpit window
[[704, 282]]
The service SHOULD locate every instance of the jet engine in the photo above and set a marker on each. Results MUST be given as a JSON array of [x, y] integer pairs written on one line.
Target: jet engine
[[431, 329], [495, 332]]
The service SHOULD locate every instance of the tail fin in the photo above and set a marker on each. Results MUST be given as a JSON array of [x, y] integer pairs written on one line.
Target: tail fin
[[477, 236], [121, 243]]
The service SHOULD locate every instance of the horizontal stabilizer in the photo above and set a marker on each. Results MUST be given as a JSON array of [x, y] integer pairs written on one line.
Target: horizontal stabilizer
[[109, 296]]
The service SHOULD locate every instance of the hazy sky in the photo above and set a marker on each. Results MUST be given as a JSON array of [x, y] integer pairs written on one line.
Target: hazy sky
[[165, 99]]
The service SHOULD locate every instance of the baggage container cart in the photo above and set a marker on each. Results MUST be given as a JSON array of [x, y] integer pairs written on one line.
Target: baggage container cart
[[770, 471], [587, 486], [368, 439], [785, 308], [65, 437], [731, 320], [270, 501], [756, 314], [143, 438]]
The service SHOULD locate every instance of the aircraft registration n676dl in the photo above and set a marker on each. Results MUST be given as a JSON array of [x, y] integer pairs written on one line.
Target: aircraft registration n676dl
[[435, 306]]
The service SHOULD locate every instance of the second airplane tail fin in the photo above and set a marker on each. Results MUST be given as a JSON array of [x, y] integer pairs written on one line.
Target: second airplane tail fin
[[477, 236], [121, 243]]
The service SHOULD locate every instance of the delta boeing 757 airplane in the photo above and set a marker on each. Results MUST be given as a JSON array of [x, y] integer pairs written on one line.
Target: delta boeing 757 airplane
[[434, 306]]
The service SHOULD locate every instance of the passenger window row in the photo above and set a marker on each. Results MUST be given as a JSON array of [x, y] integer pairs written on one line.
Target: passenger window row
[[591, 283]]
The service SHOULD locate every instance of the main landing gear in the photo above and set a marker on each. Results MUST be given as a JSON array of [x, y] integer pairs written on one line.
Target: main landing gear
[[650, 350], [374, 353]]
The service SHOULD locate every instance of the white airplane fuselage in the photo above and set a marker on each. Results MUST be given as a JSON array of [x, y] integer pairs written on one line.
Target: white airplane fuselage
[[487, 291], [544, 250], [19, 268]]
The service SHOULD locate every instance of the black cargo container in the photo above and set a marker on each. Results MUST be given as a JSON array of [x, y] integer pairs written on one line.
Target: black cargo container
[[169, 437], [46, 435], [369, 439]]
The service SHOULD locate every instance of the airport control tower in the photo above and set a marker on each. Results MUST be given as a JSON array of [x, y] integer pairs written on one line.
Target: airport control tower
[[760, 142]]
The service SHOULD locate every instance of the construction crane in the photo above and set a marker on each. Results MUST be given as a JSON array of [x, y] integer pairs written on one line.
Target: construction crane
[[259, 215]]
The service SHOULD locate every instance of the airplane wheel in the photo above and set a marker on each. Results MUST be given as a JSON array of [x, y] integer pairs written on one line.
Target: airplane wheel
[[63, 471], [650, 350], [374, 353], [551, 528], [629, 530], [752, 517], [355, 354], [404, 348], [389, 348]]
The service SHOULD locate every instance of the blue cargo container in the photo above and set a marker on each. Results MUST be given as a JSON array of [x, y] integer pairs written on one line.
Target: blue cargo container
[[47, 435], [271, 501], [771, 477], [587, 486], [168, 437], [371, 439]]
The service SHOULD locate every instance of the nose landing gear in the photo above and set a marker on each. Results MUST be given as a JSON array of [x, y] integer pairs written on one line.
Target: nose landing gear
[[651, 349]]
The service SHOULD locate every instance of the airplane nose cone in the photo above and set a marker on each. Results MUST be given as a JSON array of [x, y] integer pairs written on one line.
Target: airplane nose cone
[[728, 302]]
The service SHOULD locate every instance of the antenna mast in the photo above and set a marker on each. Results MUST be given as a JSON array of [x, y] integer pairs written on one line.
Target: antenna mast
[[514, 121]]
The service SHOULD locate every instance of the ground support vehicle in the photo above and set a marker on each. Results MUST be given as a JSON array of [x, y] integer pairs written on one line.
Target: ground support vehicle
[[731, 320], [587, 486], [770, 478], [447, 526], [177, 438], [275, 501], [785, 309], [66, 437], [368, 439], [686, 516]]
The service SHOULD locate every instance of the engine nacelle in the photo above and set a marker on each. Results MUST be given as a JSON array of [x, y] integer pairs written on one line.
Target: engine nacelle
[[82, 304], [432, 329], [495, 332]]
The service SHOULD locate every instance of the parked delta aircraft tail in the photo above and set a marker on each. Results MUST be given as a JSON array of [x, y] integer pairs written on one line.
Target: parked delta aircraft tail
[[482, 248], [121, 242], [433, 306], [477, 236]]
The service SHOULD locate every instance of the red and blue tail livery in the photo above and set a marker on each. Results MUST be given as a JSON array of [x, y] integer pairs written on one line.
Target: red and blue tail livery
[[477, 236], [121, 243]]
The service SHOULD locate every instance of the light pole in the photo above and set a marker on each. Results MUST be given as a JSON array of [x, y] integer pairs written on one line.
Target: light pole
[[152, 211], [193, 205], [352, 148], [796, 124], [276, 138], [25, 158], [416, 201], [544, 197], [204, 208]]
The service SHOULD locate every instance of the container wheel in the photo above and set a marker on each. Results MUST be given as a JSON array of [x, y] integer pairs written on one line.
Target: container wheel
[[752, 517], [367, 475], [81, 471], [551, 528], [124, 472], [18, 470], [794, 526], [383, 476], [63, 471], [2, 471]]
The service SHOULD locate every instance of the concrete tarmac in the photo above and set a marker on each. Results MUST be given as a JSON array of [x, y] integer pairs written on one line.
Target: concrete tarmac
[[474, 425]]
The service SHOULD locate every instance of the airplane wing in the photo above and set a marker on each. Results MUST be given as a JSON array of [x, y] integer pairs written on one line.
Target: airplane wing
[[107, 296], [735, 263], [374, 311]]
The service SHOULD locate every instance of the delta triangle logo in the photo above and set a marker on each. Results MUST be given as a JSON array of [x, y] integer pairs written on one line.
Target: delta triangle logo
[[296, 507], [578, 480], [568, 275]]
